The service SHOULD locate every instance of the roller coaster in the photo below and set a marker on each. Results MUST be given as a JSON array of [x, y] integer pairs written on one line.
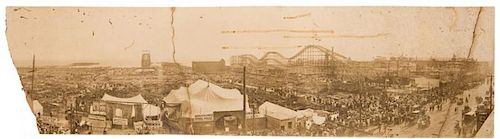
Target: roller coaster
[[312, 59]]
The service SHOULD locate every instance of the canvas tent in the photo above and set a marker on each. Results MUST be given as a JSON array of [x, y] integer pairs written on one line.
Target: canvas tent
[[312, 115], [151, 115], [37, 108], [132, 100], [206, 98], [150, 110], [318, 120], [308, 113], [277, 111], [122, 111]]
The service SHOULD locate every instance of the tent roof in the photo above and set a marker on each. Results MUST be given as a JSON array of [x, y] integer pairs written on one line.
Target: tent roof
[[210, 92], [150, 110], [277, 111], [135, 99], [176, 96], [305, 113], [200, 107], [318, 120]]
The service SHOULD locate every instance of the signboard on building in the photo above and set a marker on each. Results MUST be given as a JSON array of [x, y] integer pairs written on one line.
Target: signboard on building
[[97, 117], [120, 121], [98, 108], [203, 118]]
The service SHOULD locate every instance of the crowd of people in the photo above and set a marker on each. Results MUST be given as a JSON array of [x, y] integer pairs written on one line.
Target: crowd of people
[[369, 108], [50, 128], [365, 108]]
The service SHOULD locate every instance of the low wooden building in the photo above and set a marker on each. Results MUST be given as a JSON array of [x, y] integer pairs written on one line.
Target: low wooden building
[[278, 117]]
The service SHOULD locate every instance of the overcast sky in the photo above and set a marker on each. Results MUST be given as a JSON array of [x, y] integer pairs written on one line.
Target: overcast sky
[[117, 36]]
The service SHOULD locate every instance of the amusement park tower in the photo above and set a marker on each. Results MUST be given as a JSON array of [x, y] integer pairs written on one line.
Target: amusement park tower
[[146, 59]]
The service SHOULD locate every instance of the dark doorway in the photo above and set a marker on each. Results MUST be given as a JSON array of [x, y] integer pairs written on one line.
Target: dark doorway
[[227, 123]]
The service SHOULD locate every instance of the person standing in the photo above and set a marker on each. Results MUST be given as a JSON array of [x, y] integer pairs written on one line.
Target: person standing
[[458, 128]]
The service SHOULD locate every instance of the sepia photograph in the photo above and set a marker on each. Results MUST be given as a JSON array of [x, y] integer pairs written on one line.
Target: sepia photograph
[[331, 71]]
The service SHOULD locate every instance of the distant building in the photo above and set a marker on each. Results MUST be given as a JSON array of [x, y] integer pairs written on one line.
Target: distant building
[[146, 60], [168, 65], [209, 66], [85, 65], [146, 70], [146, 66]]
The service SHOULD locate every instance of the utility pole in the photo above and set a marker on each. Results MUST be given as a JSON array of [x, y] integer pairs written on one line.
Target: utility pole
[[33, 75], [190, 111], [387, 74], [244, 100], [397, 66], [332, 72], [253, 117]]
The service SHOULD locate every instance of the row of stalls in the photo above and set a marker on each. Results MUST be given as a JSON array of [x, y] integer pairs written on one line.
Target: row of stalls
[[200, 108], [124, 113]]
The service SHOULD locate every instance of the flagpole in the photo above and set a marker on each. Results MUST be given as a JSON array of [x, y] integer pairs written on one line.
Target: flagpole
[[33, 75], [244, 100]]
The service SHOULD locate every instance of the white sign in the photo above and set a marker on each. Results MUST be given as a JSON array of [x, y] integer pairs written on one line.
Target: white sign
[[120, 121], [199, 118], [97, 117]]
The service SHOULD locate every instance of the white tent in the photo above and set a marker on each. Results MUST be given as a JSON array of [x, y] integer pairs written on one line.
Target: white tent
[[277, 111], [176, 96], [150, 110], [37, 107], [311, 115], [206, 98], [180, 95], [318, 120], [308, 113], [135, 99]]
